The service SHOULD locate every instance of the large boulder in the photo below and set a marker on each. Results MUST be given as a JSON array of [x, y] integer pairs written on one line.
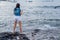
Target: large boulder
[[11, 36]]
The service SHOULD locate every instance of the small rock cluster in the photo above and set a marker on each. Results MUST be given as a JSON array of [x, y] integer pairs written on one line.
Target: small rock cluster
[[46, 34]]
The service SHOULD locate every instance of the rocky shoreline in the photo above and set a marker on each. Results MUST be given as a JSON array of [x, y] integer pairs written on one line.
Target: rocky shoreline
[[11, 36]]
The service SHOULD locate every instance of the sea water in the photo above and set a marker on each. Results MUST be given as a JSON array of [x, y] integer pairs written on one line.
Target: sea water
[[35, 16]]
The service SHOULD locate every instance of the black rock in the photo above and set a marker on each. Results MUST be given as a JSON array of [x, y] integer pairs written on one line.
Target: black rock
[[30, 1], [57, 7], [36, 30], [52, 38], [11, 36]]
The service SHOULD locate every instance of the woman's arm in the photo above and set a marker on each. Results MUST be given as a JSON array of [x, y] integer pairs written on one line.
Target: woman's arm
[[21, 12]]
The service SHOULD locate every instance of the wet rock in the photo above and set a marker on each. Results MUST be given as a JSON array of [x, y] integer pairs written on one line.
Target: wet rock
[[53, 38], [33, 34], [30, 1], [11, 36], [36, 30]]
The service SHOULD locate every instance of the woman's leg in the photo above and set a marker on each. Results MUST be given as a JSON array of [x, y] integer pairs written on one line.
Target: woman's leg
[[15, 23], [20, 24]]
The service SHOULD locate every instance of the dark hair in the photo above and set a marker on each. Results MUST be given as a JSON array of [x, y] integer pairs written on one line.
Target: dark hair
[[17, 5]]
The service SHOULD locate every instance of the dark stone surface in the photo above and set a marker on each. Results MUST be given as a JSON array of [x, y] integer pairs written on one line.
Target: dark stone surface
[[11, 36], [30, 1], [36, 30], [57, 7]]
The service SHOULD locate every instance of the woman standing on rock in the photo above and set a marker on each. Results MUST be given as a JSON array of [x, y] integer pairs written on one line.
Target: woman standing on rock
[[17, 13]]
